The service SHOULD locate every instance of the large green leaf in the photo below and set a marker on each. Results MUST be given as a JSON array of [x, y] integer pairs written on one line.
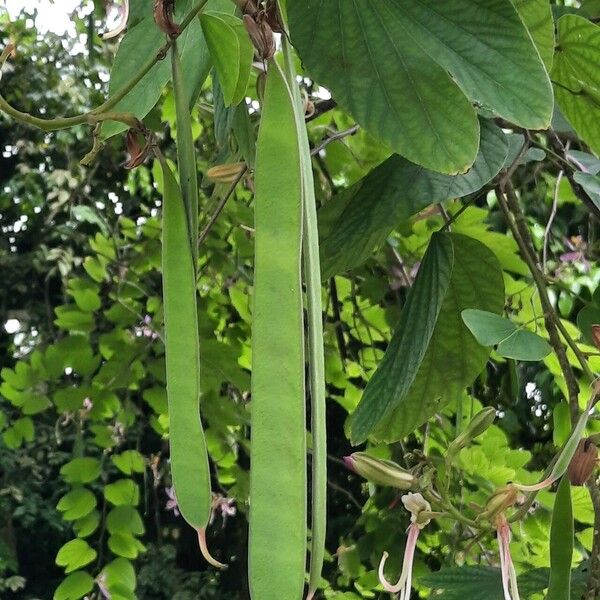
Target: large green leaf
[[454, 357], [537, 17], [485, 583], [231, 51], [361, 218], [576, 76], [401, 363], [144, 40], [489, 52], [363, 52]]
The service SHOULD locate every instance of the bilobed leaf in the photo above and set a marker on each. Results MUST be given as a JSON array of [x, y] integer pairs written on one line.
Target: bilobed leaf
[[524, 345], [143, 41], [402, 361], [75, 554], [537, 17], [119, 572], [364, 54], [231, 51], [122, 492], [76, 504], [124, 519], [124, 544], [454, 358], [576, 76], [359, 219], [488, 51], [130, 461], [87, 525], [75, 586], [488, 328], [81, 470], [513, 342]]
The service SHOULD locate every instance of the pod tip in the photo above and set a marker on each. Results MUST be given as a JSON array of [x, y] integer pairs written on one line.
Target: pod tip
[[205, 553]]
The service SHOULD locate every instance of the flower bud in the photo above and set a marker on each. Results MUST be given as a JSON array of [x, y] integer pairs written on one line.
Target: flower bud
[[418, 507], [225, 173], [380, 471], [137, 152], [500, 500], [583, 463], [478, 425]]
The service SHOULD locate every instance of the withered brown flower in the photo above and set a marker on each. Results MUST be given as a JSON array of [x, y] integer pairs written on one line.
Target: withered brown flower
[[583, 463], [163, 17]]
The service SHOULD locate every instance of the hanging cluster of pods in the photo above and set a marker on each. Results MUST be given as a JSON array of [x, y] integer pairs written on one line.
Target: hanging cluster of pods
[[286, 256]]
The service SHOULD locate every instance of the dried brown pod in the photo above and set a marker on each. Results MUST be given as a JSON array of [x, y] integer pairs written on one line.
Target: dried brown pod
[[596, 335], [163, 17], [137, 152], [583, 463], [261, 34]]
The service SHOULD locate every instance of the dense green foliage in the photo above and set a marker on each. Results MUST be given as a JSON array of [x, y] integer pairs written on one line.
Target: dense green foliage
[[457, 195]]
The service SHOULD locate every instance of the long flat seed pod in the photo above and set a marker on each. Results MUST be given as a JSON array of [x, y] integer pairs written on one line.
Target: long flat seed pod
[[561, 543], [186, 154], [316, 358], [189, 459], [277, 546]]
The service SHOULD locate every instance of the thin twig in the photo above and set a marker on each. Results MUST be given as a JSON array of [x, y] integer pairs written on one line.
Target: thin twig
[[402, 265], [551, 221], [204, 233], [336, 136], [338, 323]]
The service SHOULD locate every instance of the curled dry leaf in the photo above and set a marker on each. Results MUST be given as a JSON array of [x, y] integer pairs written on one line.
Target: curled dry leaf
[[583, 462], [163, 17], [137, 152], [121, 25]]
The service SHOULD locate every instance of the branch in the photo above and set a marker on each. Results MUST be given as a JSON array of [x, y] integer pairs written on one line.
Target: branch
[[515, 220], [93, 116], [336, 136]]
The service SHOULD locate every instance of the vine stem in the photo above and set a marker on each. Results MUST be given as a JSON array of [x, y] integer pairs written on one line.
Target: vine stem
[[93, 116], [515, 220]]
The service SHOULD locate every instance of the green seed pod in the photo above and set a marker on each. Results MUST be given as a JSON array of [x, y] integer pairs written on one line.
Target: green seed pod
[[380, 471], [479, 423]]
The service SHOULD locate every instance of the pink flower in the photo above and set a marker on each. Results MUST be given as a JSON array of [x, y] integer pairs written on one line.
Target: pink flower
[[419, 509], [509, 575], [172, 501]]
